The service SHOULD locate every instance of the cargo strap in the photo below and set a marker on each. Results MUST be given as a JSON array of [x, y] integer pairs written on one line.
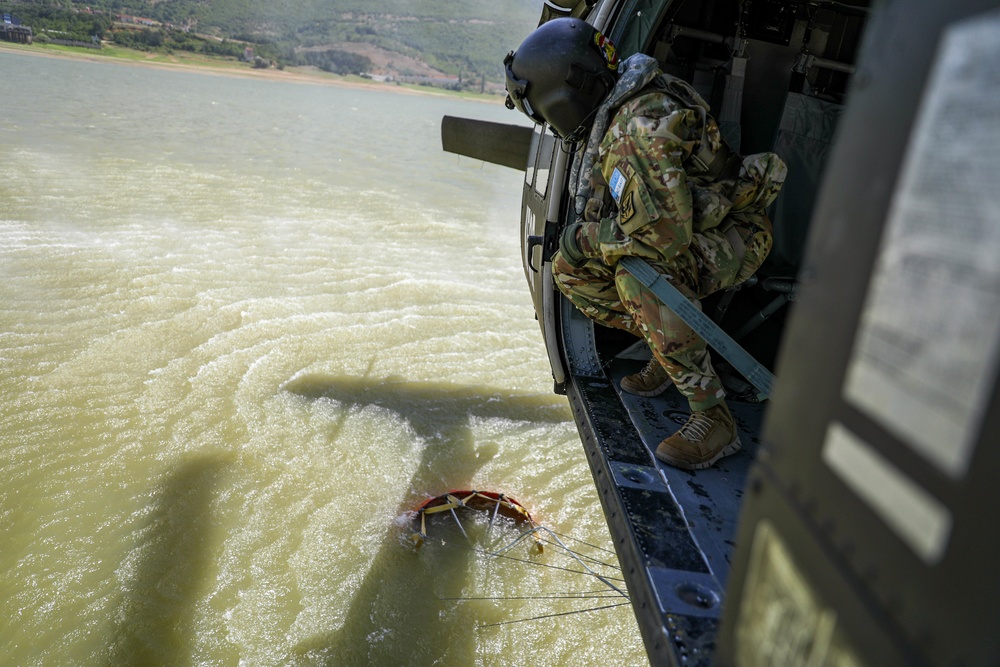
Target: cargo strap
[[741, 360]]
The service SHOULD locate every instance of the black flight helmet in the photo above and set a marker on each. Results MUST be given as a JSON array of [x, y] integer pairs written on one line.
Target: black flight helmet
[[560, 75]]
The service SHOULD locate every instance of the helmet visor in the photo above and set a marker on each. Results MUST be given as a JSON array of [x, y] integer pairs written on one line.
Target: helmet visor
[[517, 90]]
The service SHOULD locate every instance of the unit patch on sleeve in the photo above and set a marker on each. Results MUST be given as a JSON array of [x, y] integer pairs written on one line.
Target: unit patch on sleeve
[[617, 185], [626, 208]]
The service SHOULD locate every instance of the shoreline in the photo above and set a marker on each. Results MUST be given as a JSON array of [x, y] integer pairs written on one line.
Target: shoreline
[[201, 65]]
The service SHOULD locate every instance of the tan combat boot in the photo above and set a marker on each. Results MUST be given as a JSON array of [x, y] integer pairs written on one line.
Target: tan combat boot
[[705, 438], [650, 381]]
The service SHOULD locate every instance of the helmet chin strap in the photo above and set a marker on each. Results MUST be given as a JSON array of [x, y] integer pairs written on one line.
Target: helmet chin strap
[[569, 145], [582, 130]]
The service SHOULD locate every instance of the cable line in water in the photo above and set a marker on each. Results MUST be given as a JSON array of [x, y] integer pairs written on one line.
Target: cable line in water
[[483, 552], [588, 595], [592, 546], [591, 559], [544, 616]]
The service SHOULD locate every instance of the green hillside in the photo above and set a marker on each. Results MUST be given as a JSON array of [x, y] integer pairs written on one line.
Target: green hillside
[[456, 38]]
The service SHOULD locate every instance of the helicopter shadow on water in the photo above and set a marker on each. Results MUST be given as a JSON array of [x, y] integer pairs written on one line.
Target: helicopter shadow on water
[[153, 623], [396, 615]]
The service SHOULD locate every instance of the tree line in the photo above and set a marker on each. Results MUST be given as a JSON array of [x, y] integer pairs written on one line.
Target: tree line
[[466, 40]]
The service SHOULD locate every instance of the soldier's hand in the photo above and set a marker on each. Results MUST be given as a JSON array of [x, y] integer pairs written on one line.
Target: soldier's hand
[[569, 244]]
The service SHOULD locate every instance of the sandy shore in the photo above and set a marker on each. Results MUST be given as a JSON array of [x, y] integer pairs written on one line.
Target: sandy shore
[[304, 75]]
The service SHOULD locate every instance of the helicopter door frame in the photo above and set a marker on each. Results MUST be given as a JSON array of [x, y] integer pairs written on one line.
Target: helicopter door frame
[[541, 208]]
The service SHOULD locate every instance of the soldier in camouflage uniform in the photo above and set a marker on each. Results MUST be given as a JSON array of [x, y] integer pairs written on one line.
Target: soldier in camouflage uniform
[[656, 181]]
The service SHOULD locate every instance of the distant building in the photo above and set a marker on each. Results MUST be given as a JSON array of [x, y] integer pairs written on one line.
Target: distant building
[[11, 30], [138, 20]]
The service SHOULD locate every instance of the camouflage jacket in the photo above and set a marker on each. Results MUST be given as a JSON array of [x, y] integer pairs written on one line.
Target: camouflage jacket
[[650, 191]]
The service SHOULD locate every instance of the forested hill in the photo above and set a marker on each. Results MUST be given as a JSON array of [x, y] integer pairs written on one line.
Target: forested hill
[[457, 38]]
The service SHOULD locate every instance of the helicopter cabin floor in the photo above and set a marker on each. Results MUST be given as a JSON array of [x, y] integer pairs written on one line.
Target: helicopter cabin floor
[[674, 530], [711, 498]]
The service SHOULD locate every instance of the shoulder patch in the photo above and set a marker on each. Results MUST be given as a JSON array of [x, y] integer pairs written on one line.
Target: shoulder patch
[[617, 185], [626, 208]]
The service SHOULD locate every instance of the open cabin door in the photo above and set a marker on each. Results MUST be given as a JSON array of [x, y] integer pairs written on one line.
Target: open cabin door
[[537, 153]]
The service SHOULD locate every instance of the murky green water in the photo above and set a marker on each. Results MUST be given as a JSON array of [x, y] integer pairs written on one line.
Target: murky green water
[[244, 327]]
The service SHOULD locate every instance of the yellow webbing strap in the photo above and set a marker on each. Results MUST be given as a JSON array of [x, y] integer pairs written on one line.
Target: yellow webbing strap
[[452, 503]]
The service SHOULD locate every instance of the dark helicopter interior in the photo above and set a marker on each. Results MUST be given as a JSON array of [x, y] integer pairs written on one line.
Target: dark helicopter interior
[[776, 74]]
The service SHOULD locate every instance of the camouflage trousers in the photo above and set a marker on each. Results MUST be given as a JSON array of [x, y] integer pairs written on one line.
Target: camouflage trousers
[[613, 297]]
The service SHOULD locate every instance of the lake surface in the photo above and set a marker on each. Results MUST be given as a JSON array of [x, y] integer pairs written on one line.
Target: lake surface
[[245, 327]]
